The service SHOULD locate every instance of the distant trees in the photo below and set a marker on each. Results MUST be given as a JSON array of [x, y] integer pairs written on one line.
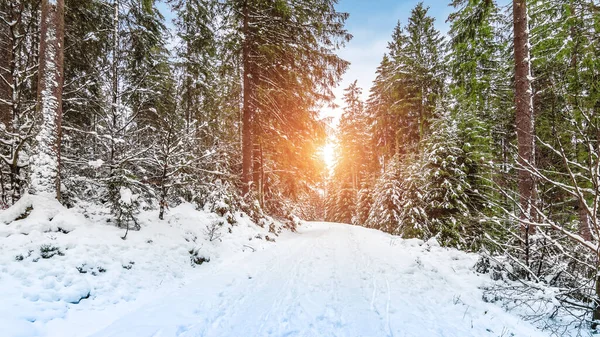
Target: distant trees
[[356, 158], [405, 101]]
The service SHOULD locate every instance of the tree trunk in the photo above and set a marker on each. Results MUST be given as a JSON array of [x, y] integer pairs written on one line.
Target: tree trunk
[[6, 70], [45, 164], [248, 109], [585, 228], [256, 184], [10, 39], [258, 169], [596, 314], [262, 176], [524, 114], [15, 182], [115, 80]]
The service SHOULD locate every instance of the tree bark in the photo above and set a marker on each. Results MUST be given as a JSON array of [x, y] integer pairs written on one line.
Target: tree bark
[[8, 96], [524, 114], [256, 163], [45, 165], [596, 313], [6, 69], [248, 110], [115, 80]]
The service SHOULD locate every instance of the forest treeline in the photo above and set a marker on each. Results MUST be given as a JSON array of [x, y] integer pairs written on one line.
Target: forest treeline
[[99, 98], [488, 140]]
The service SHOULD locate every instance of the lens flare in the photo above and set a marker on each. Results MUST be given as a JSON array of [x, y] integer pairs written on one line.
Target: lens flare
[[329, 154]]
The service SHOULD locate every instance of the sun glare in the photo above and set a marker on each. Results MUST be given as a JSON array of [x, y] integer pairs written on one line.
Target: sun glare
[[329, 154]]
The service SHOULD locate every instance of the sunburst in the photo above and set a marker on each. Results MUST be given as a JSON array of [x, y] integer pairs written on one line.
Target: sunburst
[[328, 153]]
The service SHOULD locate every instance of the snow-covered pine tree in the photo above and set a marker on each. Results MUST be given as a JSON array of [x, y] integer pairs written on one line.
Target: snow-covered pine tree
[[288, 63], [386, 213], [123, 77], [345, 203], [87, 75], [402, 106], [19, 38], [481, 109], [363, 204], [408, 85], [385, 120], [358, 159], [417, 53], [450, 199]]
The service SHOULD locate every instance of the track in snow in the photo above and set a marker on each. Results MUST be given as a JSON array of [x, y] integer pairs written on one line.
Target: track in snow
[[330, 280]]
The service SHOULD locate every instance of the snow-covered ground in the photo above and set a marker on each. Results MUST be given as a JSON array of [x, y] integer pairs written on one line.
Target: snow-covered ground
[[67, 272], [326, 280]]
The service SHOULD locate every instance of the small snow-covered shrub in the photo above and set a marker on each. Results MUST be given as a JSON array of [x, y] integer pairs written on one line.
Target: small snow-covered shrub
[[49, 251], [25, 214], [129, 265], [220, 197], [230, 218], [94, 271], [125, 205], [293, 223], [196, 258], [487, 266], [213, 231]]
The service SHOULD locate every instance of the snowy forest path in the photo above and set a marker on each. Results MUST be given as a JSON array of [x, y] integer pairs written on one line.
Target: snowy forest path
[[329, 280]]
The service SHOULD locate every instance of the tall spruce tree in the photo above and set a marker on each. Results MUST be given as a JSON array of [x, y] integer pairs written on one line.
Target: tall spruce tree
[[289, 65]]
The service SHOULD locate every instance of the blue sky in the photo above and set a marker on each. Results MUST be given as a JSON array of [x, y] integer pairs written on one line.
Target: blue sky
[[371, 23]]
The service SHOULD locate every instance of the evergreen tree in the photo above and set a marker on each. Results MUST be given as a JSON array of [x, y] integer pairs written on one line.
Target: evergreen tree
[[409, 84], [387, 209], [357, 160], [380, 109], [480, 94], [452, 202], [19, 45], [288, 64], [363, 205]]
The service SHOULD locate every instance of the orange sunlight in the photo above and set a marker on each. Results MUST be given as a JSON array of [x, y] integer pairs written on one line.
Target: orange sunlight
[[328, 153]]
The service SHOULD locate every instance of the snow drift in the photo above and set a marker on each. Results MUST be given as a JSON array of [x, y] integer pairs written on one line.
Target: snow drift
[[71, 268]]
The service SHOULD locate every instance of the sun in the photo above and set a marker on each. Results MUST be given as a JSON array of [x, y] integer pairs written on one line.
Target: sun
[[328, 153]]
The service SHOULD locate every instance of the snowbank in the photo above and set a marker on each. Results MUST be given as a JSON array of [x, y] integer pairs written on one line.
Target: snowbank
[[59, 262]]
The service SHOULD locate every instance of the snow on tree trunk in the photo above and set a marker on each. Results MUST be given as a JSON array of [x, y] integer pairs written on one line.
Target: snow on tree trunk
[[6, 79], [248, 110], [524, 113], [45, 163]]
